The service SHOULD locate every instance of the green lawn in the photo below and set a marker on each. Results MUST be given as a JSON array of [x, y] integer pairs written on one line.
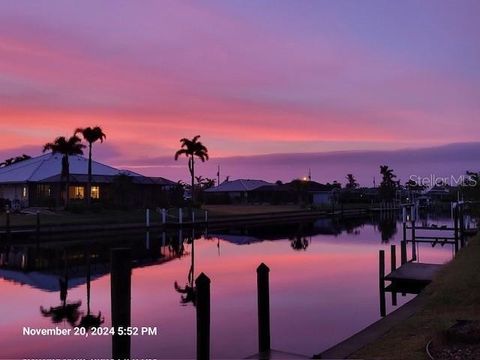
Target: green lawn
[[454, 294]]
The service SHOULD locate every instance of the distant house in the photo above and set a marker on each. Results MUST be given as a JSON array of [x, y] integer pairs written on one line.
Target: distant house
[[235, 191], [259, 191], [37, 182], [441, 193]]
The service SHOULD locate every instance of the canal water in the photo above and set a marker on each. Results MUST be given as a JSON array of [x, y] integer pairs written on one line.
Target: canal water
[[323, 287]]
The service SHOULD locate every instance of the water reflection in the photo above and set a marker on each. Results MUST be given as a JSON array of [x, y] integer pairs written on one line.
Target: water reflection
[[334, 256], [299, 241], [188, 291], [89, 320], [388, 228], [68, 312]]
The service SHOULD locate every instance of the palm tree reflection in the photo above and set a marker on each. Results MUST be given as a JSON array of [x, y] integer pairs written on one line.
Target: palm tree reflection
[[188, 291], [89, 321], [299, 242], [388, 228], [66, 311]]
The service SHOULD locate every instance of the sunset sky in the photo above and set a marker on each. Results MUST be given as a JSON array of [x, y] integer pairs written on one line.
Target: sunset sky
[[251, 77]]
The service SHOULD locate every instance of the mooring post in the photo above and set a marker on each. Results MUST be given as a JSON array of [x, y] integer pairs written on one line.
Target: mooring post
[[206, 216], [403, 252], [120, 300], [393, 258], [202, 284], [381, 281], [462, 226], [164, 216], [455, 221], [393, 267], [193, 216], [147, 217], [180, 215], [263, 294]]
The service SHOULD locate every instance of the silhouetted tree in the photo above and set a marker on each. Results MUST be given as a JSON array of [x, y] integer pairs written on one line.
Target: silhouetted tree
[[65, 147], [91, 135], [192, 148], [470, 187], [15, 160], [351, 182], [388, 184]]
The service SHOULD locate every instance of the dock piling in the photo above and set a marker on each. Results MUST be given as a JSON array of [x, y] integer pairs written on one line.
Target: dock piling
[[403, 252], [120, 300], [147, 217], [393, 267], [381, 281], [202, 284], [393, 257], [263, 293], [455, 221]]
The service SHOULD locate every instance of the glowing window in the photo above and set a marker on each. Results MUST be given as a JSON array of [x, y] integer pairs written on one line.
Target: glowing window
[[24, 192], [77, 192], [95, 192]]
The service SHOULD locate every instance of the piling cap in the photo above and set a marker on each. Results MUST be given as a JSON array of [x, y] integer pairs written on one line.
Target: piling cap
[[263, 268], [202, 279]]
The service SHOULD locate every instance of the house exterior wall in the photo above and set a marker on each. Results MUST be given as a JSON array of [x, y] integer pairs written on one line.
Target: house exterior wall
[[18, 194], [322, 198]]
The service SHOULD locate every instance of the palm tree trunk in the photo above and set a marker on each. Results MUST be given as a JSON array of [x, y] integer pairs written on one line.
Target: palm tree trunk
[[192, 171], [89, 185], [67, 182], [67, 193]]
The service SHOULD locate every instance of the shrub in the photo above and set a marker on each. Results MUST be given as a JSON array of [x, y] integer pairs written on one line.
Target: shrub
[[76, 207]]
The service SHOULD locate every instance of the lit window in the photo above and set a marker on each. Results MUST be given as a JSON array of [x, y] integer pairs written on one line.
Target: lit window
[[24, 192], [95, 192], [77, 192]]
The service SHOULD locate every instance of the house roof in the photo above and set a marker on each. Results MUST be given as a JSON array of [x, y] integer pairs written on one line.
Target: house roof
[[309, 186], [108, 179], [239, 185], [47, 168]]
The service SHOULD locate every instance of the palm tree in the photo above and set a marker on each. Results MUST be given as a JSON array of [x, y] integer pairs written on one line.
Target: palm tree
[[351, 182], [15, 160], [91, 135], [69, 147], [191, 149], [388, 184]]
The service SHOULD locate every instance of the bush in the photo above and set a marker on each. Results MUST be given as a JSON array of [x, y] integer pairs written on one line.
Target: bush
[[4, 203], [97, 207], [76, 207]]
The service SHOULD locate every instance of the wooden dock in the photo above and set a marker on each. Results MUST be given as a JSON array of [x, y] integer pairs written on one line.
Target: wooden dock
[[414, 273], [276, 354]]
